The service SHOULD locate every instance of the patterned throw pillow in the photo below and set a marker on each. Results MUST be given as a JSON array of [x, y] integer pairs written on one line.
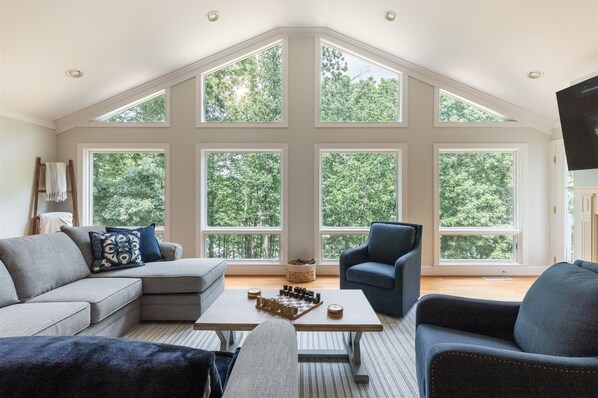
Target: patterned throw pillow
[[148, 244], [115, 250]]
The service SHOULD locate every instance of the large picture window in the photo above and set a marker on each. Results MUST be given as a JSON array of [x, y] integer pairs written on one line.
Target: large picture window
[[247, 91], [242, 204], [356, 186], [125, 187], [478, 204], [354, 89]]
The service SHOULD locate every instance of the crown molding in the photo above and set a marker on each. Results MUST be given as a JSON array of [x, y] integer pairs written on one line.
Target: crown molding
[[23, 117], [410, 69]]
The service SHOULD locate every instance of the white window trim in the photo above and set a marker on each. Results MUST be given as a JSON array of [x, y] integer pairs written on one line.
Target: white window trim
[[201, 206], [437, 123], [85, 177], [561, 251], [399, 149], [521, 202], [233, 58], [125, 104], [370, 57]]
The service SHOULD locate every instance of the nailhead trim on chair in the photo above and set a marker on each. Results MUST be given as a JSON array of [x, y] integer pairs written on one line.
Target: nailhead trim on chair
[[497, 359]]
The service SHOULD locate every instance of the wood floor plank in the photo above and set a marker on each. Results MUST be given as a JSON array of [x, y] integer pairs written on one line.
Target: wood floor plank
[[467, 286]]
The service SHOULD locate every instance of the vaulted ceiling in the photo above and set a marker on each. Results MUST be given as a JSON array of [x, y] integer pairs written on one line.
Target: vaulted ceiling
[[120, 44]]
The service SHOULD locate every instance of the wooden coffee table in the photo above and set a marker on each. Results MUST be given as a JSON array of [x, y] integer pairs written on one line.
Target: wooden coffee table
[[233, 311]]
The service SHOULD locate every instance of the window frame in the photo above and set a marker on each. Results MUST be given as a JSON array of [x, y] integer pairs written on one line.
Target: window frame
[[85, 178], [230, 58], [508, 122], [201, 202], [520, 229], [320, 230], [369, 56], [127, 103]]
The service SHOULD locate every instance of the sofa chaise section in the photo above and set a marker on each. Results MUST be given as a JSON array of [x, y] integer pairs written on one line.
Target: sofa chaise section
[[174, 289]]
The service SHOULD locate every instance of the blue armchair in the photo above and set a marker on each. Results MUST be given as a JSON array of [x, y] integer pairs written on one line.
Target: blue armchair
[[545, 346], [387, 267]]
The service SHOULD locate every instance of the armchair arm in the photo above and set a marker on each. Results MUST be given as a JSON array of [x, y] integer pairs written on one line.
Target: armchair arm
[[353, 256], [456, 370], [487, 317], [170, 251]]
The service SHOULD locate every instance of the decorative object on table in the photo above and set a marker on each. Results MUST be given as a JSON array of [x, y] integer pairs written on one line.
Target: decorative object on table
[[301, 271], [335, 311], [254, 293], [387, 267], [291, 303]]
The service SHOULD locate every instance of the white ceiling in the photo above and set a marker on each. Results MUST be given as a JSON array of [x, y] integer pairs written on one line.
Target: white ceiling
[[121, 44]]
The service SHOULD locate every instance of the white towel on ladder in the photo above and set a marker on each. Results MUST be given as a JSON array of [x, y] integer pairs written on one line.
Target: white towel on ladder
[[51, 222], [55, 181]]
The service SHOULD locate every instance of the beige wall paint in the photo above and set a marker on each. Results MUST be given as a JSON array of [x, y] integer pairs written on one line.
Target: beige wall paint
[[301, 137], [20, 143]]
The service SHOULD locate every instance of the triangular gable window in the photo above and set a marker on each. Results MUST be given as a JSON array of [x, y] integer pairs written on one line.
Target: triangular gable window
[[354, 89], [454, 109], [150, 109], [249, 90]]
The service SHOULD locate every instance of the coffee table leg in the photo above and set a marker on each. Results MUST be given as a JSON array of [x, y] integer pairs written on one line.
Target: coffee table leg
[[353, 346], [227, 339], [351, 354]]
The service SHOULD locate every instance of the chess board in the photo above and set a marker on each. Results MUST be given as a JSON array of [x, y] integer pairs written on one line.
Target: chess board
[[303, 307]]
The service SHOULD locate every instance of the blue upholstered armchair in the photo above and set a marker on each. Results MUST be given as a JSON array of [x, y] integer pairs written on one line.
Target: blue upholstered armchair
[[387, 267], [545, 346]]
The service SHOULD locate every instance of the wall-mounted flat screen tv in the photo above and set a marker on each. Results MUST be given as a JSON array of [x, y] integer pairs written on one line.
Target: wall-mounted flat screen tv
[[578, 109]]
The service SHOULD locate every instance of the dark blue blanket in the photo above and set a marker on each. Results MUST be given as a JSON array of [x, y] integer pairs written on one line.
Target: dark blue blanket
[[104, 367]]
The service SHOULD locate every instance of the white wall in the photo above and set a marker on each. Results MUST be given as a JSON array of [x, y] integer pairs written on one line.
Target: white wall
[[301, 136], [20, 143]]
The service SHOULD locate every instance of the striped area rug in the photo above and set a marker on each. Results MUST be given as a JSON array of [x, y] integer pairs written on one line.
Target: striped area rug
[[388, 356]]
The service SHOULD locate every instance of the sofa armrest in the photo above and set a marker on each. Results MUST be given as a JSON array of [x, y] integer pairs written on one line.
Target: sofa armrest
[[170, 251], [268, 363], [456, 370], [487, 317]]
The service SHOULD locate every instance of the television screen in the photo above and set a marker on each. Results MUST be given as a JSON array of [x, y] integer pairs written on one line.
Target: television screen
[[578, 110]]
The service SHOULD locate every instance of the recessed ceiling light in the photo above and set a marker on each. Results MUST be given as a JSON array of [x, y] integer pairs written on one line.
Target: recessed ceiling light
[[390, 15], [535, 74], [212, 16], [74, 73]]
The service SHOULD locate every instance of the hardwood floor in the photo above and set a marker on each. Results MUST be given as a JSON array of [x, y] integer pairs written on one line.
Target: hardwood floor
[[467, 286]]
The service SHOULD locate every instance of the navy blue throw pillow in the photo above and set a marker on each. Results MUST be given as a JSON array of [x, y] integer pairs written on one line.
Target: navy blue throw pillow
[[115, 250], [149, 247]]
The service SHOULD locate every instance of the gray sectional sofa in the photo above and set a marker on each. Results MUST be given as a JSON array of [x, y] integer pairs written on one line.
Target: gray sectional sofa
[[46, 287]]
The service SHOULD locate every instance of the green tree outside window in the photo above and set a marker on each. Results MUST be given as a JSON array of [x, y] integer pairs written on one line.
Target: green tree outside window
[[128, 188]]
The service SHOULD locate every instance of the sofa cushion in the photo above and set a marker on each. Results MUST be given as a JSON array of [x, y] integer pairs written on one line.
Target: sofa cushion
[[105, 296], [388, 242], [41, 263], [8, 294], [188, 275], [115, 250], [559, 313], [44, 319], [373, 274], [80, 235], [148, 244], [85, 366]]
